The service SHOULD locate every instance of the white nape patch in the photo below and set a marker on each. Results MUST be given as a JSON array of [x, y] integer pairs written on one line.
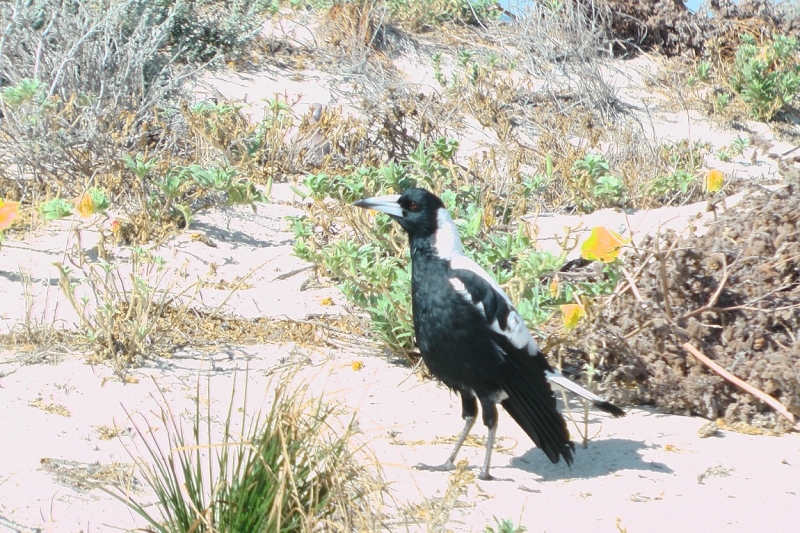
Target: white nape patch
[[448, 241]]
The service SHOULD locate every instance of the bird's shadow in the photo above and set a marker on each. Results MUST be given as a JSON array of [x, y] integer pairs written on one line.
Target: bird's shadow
[[601, 458]]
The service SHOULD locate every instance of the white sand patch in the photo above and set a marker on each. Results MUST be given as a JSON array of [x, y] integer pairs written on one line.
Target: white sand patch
[[255, 90]]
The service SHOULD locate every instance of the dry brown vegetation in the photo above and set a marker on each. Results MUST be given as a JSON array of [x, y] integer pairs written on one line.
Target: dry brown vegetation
[[733, 293]]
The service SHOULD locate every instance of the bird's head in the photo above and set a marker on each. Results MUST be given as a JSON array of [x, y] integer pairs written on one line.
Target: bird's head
[[416, 210], [422, 215]]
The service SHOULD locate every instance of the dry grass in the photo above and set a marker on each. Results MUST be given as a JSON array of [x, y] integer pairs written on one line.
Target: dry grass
[[434, 513], [84, 477]]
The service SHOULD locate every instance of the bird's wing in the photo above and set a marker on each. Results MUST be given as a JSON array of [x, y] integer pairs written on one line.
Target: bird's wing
[[476, 286], [527, 395]]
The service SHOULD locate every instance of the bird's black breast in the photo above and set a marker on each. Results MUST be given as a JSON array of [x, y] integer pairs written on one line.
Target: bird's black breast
[[452, 334]]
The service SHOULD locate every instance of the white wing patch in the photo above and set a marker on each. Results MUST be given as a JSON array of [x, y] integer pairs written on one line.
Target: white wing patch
[[461, 289], [516, 331], [448, 246], [560, 381], [458, 285]]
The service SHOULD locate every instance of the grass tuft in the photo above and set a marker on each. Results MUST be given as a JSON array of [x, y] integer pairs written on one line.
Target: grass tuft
[[286, 469]]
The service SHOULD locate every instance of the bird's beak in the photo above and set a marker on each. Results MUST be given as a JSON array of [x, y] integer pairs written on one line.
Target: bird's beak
[[384, 204]]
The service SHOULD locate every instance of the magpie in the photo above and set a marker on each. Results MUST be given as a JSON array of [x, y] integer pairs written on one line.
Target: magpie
[[472, 338]]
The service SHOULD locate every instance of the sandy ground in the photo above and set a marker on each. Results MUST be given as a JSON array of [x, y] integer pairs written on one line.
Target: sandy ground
[[647, 472], [651, 471]]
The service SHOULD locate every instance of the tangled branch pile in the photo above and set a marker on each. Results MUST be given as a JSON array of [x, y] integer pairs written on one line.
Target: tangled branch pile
[[734, 293]]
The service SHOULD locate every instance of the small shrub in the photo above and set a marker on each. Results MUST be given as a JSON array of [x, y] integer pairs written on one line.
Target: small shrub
[[766, 77], [736, 148], [200, 30], [27, 90], [721, 102], [739, 144], [674, 184], [123, 307], [426, 14], [183, 190], [505, 526], [703, 70], [55, 209], [436, 60], [250, 147], [683, 154], [593, 186], [610, 190], [371, 264]]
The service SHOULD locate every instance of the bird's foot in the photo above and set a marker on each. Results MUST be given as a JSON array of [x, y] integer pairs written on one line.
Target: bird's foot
[[485, 476], [444, 467]]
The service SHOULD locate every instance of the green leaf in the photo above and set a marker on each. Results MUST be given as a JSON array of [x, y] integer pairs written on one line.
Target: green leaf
[[55, 209], [186, 212]]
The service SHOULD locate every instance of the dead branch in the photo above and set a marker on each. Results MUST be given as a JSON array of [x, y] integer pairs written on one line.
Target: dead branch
[[761, 395]]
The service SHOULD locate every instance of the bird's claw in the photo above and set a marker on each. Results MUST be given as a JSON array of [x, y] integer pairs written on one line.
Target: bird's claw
[[444, 467]]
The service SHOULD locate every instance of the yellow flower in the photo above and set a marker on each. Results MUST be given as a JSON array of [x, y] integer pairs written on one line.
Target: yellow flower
[[572, 314], [8, 212], [603, 245], [86, 205], [357, 365], [554, 288], [488, 218], [714, 180], [326, 301]]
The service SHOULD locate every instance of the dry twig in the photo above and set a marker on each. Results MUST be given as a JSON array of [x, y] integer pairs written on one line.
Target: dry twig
[[761, 395]]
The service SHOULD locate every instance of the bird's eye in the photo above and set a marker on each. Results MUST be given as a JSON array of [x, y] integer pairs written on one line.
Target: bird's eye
[[412, 206]]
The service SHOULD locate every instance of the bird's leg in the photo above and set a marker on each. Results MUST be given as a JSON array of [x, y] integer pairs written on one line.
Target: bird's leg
[[485, 475], [469, 411], [489, 409]]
